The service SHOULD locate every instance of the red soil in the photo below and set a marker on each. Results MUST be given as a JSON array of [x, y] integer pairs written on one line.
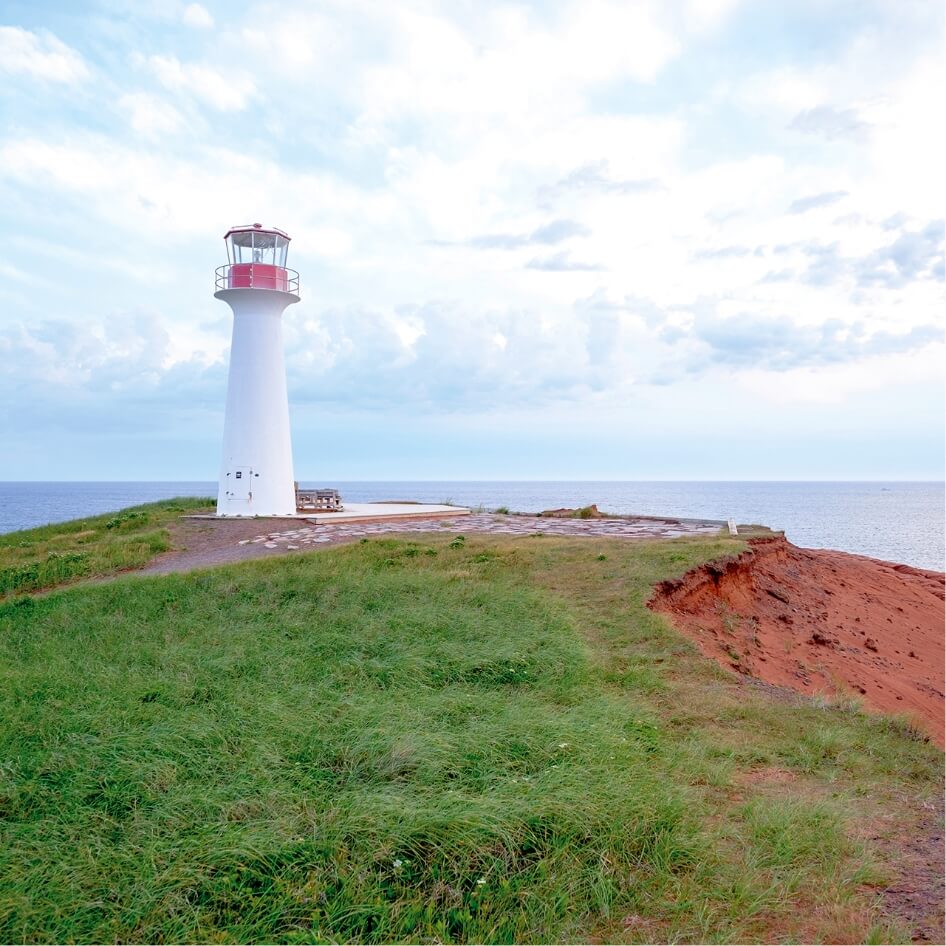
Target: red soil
[[820, 622]]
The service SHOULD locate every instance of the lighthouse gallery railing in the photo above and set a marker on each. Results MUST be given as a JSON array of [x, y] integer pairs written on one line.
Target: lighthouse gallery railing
[[257, 276]]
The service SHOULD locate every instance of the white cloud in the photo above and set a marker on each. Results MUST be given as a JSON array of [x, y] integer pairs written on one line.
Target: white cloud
[[601, 40], [708, 14], [298, 42], [451, 357], [834, 384], [150, 115], [226, 91], [40, 55], [908, 141], [508, 69], [197, 16]]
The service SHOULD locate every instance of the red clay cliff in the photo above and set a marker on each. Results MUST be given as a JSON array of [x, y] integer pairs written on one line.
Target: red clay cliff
[[821, 622]]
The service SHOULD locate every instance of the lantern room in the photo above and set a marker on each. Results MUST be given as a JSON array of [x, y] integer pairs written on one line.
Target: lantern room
[[257, 260], [254, 244]]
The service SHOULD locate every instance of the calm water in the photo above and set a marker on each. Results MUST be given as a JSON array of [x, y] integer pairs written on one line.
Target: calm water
[[900, 522]]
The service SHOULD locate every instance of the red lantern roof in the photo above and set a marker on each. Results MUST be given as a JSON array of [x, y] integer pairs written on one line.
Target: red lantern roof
[[250, 227]]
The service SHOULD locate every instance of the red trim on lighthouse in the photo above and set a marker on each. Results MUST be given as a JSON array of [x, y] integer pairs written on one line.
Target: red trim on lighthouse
[[258, 276], [256, 227]]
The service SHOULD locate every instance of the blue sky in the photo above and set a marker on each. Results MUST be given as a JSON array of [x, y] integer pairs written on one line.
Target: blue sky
[[692, 240]]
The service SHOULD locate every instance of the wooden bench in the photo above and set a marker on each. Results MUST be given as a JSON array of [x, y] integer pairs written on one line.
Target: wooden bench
[[318, 500]]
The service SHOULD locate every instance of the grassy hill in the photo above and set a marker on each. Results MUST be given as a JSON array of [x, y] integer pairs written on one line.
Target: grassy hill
[[84, 548], [435, 740]]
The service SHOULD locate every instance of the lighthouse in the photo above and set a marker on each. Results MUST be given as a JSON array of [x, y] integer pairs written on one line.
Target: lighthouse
[[256, 477]]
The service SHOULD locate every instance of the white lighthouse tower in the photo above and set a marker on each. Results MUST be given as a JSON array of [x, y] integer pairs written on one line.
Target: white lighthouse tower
[[256, 470]]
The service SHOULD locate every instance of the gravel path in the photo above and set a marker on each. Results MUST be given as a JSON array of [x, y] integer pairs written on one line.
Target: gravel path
[[205, 543]]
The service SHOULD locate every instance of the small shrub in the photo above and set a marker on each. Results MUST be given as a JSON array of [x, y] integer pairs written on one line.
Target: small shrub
[[134, 518]]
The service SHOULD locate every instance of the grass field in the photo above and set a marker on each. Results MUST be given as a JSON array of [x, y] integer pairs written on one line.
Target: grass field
[[437, 740], [100, 545]]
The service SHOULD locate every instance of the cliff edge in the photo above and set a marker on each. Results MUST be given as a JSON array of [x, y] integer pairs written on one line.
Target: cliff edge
[[821, 622]]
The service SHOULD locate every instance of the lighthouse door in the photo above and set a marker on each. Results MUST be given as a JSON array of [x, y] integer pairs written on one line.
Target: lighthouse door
[[240, 484]]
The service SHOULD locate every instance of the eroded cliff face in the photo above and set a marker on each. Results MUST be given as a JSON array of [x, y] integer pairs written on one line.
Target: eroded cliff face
[[820, 622]]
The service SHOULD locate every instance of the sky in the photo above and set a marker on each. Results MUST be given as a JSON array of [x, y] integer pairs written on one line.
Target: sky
[[688, 239]]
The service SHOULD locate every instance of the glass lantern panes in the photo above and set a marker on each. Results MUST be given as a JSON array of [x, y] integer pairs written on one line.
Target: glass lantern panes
[[257, 246]]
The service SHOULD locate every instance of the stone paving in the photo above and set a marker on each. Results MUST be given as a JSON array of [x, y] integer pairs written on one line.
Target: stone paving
[[489, 523]]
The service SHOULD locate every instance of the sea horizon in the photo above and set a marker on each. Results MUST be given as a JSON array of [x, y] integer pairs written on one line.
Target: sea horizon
[[514, 479]]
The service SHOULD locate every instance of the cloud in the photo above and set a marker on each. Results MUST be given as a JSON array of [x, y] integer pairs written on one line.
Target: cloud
[[197, 16], [747, 341], [779, 275], [596, 176], [227, 92], [723, 252], [894, 221], [150, 115], [708, 14], [451, 358], [40, 55], [804, 204], [826, 264], [914, 255], [513, 75], [560, 263], [435, 357], [64, 374], [829, 122], [439, 357], [556, 231]]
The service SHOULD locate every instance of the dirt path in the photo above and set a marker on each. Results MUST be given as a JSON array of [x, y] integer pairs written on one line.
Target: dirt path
[[203, 543]]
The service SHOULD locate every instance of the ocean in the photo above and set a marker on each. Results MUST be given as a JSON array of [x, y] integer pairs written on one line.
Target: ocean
[[898, 522]]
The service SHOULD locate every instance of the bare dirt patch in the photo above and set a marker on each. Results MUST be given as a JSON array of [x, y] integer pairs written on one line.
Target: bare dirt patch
[[912, 836], [767, 775]]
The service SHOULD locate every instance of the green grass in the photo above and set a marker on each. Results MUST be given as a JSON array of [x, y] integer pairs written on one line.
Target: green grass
[[495, 742], [85, 548]]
